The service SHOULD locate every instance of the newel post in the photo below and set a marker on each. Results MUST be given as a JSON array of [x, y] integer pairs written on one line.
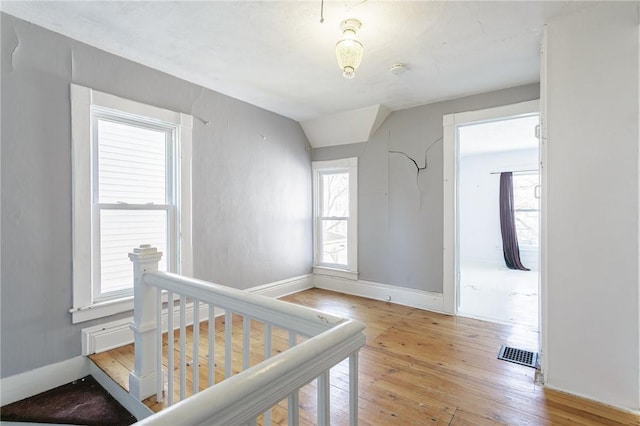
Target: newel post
[[143, 379]]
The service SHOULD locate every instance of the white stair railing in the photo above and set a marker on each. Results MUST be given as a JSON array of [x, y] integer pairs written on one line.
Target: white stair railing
[[315, 342]]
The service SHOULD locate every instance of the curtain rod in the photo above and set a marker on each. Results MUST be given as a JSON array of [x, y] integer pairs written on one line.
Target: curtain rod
[[515, 171]]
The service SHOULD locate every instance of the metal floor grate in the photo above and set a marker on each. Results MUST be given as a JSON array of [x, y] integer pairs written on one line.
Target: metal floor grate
[[518, 356]]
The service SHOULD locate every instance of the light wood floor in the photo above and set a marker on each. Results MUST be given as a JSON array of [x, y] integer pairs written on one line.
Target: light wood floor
[[417, 368]]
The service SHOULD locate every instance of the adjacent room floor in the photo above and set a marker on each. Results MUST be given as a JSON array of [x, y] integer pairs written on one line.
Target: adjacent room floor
[[499, 294]]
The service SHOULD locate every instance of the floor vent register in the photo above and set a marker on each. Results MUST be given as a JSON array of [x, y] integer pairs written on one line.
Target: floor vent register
[[518, 356]]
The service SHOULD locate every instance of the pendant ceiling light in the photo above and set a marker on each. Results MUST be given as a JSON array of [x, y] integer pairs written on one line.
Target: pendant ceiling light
[[349, 49]]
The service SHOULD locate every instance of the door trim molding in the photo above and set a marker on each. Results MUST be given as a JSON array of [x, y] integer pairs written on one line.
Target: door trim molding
[[451, 239]]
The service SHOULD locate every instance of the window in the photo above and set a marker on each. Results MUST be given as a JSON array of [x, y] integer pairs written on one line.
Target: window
[[335, 212], [526, 201], [131, 186]]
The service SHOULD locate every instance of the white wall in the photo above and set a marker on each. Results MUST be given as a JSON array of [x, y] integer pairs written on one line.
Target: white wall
[[478, 191], [592, 319]]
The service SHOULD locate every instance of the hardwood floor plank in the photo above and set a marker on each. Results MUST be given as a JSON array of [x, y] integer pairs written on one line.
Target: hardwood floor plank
[[111, 363], [417, 368]]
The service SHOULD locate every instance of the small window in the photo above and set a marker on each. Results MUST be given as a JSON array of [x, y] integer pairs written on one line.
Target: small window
[[335, 212], [131, 186]]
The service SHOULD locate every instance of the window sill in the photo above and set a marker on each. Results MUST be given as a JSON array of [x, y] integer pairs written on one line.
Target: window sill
[[323, 270], [101, 309]]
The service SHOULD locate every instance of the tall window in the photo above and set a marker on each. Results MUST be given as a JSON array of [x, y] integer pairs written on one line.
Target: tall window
[[526, 200], [131, 187], [134, 200], [335, 211]]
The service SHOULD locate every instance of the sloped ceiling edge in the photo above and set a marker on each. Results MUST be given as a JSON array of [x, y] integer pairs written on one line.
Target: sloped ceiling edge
[[345, 127]]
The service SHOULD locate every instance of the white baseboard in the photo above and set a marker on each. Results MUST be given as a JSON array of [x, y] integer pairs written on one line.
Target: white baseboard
[[107, 336], [24, 385], [597, 401], [118, 333], [114, 334], [421, 299], [135, 407], [284, 287]]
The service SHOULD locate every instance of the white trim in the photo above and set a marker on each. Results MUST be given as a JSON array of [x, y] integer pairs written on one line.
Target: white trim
[[114, 334], [135, 407], [118, 333], [544, 260], [104, 337], [340, 273], [450, 256], [107, 100], [349, 165], [85, 306], [421, 299], [102, 309], [491, 114], [638, 301], [184, 187], [81, 195], [450, 122], [597, 401], [284, 287], [24, 385]]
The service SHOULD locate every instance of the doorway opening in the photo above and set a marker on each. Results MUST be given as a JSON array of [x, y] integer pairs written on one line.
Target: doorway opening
[[498, 190], [479, 146]]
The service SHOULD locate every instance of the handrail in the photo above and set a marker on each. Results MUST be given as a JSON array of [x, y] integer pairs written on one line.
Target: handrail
[[308, 321], [243, 397]]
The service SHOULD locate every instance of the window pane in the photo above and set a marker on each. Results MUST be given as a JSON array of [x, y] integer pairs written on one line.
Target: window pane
[[334, 242], [526, 207], [524, 190], [132, 164], [335, 194], [527, 228], [120, 232]]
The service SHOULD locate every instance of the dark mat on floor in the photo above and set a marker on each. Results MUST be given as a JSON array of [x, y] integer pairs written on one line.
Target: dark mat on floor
[[83, 402]]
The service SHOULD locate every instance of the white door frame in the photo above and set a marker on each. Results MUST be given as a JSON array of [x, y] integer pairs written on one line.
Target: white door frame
[[451, 254]]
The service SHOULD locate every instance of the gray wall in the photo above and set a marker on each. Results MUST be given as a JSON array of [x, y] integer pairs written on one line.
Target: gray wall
[[251, 197], [400, 210]]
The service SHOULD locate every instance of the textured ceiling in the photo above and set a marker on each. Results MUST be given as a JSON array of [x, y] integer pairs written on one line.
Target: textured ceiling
[[278, 55]]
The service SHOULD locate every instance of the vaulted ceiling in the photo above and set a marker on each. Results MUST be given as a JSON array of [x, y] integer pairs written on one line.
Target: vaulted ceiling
[[279, 56]]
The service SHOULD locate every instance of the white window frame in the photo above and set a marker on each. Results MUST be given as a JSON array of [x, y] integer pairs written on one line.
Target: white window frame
[[83, 100], [350, 166]]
